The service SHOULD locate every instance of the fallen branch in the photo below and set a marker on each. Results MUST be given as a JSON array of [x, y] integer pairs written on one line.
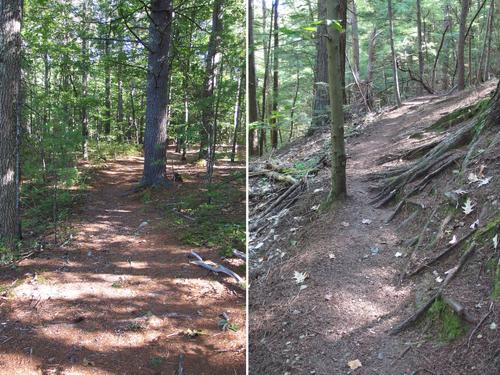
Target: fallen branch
[[479, 325], [180, 370], [239, 254], [451, 274], [273, 175], [217, 268]]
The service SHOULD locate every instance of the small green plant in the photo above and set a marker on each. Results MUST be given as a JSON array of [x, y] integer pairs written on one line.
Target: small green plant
[[116, 285], [225, 325], [135, 326], [447, 322]]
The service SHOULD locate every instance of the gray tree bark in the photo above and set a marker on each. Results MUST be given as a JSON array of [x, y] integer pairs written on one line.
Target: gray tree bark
[[397, 95], [461, 45], [338, 189], [155, 134], [10, 81], [253, 113]]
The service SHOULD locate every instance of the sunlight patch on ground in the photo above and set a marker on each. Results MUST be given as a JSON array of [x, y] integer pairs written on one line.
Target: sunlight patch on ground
[[71, 291]]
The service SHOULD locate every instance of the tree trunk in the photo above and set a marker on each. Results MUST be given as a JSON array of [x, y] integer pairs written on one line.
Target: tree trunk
[[355, 39], [107, 89], [237, 110], [397, 94], [321, 102], [371, 66], [486, 73], [207, 113], [447, 25], [419, 47], [294, 103], [253, 115], [155, 135], [274, 119], [494, 115], [10, 81], [83, 114], [461, 45], [338, 191]]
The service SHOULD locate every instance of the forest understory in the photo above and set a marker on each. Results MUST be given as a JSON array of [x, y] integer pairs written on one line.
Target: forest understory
[[116, 292], [401, 278]]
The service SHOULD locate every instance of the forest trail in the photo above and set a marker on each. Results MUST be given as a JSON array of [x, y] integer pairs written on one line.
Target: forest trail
[[119, 297], [353, 295]]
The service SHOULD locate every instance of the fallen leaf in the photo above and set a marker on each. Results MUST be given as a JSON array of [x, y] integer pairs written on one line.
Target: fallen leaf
[[398, 254], [493, 326], [453, 240], [366, 221], [468, 206], [439, 279], [495, 241], [353, 365], [484, 181], [303, 286], [474, 224], [472, 177], [460, 191], [315, 208], [328, 297], [344, 224], [332, 256], [300, 277]]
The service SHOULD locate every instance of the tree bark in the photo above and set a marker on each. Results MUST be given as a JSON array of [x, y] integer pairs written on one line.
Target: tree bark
[[321, 102], [274, 119], [107, 89], [488, 48], [419, 46], [237, 110], [397, 95], [446, 53], [207, 113], [253, 115], [461, 45], [10, 81], [83, 115], [338, 189], [155, 134], [371, 66]]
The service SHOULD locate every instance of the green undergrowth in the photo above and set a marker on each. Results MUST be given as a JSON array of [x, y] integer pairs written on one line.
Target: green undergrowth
[[446, 322], [109, 150], [300, 168]]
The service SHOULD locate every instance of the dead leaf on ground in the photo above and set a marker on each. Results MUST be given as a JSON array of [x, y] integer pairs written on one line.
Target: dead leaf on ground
[[353, 365]]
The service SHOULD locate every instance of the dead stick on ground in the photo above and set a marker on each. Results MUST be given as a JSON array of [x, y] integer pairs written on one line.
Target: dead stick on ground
[[180, 371], [479, 325], [451, 274]]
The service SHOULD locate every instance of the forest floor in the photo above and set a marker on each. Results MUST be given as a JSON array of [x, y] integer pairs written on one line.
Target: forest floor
[[120, 296], [351, 296]]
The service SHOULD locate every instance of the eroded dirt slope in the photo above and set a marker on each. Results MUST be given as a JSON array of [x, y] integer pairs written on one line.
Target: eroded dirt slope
[[353, 261]]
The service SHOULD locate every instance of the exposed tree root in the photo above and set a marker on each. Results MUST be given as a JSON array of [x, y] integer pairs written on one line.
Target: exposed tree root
[[451, 274], [273, 175]]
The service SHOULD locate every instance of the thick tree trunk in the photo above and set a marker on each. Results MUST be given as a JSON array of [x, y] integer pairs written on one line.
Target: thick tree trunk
[[419, 47], [494, 115], [155, 135], [207, 114], [338, 191], [321, 113], [253, 115], [397, 95], [274, 120], [10, 81], [461, 45], [486, 73]]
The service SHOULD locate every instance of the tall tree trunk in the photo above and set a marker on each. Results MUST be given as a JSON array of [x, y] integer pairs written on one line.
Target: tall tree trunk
[[481, 70], [445, 82], [461, 45], [321, 103], [339, 190], [486, 75], [253, 115], [355, 39], [371, 66], [397, 95], [207, 113], [419, 47], [155, 135], [274, 119], [107, 88], [237, 110], [10, 81], [83, 115], [294, 103]]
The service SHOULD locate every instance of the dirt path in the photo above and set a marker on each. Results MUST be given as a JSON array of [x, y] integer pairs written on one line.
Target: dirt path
[[118, 297], [352, 296]]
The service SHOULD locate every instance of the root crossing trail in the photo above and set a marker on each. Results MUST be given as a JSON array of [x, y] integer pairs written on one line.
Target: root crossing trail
[[352, 296], [119, 296]]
